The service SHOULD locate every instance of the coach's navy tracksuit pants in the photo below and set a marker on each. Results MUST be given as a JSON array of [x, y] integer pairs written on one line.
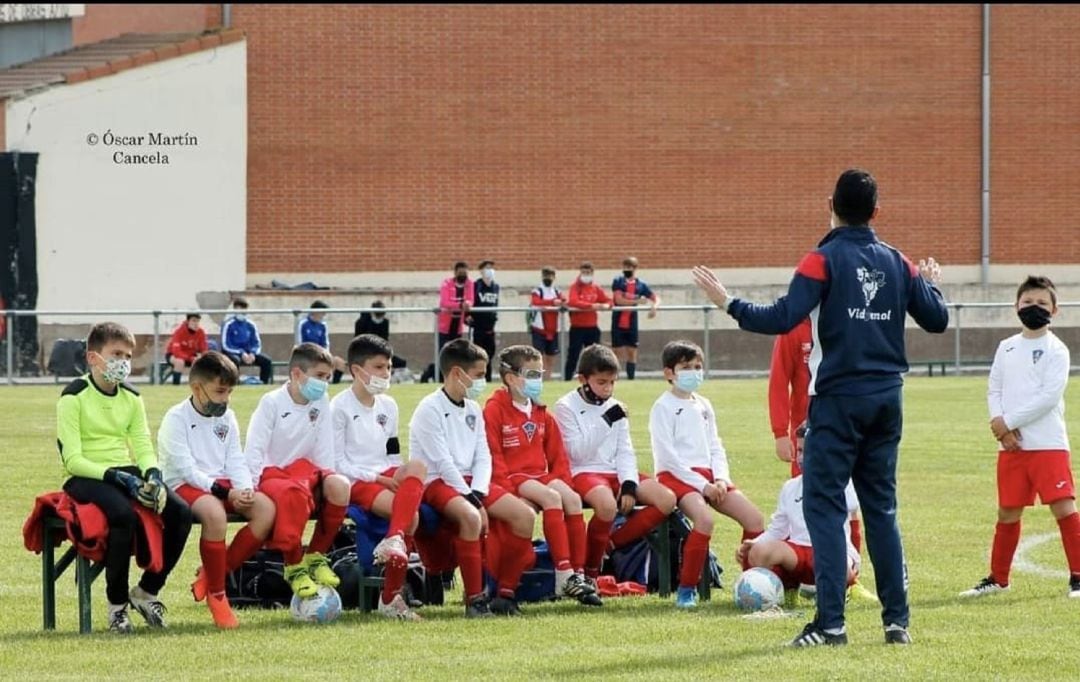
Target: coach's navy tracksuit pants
[[854, 437]]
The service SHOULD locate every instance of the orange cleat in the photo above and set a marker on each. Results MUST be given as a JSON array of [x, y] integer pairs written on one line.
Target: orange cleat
[[198, 588], [222, 613]]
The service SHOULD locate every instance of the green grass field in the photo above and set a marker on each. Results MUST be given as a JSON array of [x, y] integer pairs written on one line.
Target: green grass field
[[947, 515]]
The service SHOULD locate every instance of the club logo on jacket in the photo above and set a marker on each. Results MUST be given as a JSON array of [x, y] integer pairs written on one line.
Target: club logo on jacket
[[470, 421], [381, 419], [872, 282], [221, 431], [1035, 355], [530, 430], [313, 414]]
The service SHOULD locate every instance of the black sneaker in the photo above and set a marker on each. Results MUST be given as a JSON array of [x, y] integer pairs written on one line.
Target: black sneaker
[[812, 635], [479, 607], [896, 634], [152, 610], [577, 587], [120, 623], [505, 606], [1074, 586]]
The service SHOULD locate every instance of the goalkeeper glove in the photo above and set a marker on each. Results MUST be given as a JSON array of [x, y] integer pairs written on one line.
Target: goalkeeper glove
[[129, 483], [152, 493]]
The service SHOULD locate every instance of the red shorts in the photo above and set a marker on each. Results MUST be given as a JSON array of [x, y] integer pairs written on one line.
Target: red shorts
[[517, 479], [804, 567], [1021, 474], [190, 493], [438, 494], [682, 489], [364, 493], [586, 481]]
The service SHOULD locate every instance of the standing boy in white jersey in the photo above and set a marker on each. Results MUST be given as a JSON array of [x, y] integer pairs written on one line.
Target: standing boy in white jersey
[[596, 432], [367, 452], [201, 459], [448, 435], [691, 462], [1027, 417], [290, 452]]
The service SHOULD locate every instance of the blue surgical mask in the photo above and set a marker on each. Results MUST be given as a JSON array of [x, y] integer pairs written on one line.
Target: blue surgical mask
[[488, 273], [474, 390], [313, 389], [241, 316], [689, 380], [532, 388]]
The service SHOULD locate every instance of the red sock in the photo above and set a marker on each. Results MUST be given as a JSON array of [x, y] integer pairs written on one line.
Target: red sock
[[468, 556], [575, 533], [517, 557], [598, 535], [1070, 538], [327, 528], [1006, 537], [695, 552], [393, 579], [639, 523], [213, 561], [406, 502], [556, 536], [242, 548], [856, 535]]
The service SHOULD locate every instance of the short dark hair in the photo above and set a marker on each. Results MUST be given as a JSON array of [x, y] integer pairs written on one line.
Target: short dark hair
[[587, 265], [240, 302], [484, 263], [378, 304], [197, 316], [461, 353], [547, 270], [104, 332], [855, 197], [461, 264], [368, 346], [306, 355], [214, 365], [1037, 282], [597, 359], [319, 304], [629, 262], [680, 351], [512, 358]]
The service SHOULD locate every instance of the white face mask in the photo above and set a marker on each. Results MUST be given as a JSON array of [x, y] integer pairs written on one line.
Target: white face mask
[[586, 279], [376, 385], [488, 273], [117, 370]]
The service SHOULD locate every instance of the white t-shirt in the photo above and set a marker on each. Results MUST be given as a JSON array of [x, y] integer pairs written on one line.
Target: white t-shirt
[[361, 435], [282, 431], [684, 437], [789, 523], [198, 450], [451, 440], [1027, 388], [591, 444]]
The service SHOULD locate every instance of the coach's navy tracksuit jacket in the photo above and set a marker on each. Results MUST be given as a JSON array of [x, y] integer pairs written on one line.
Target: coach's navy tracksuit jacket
[[857, 292]]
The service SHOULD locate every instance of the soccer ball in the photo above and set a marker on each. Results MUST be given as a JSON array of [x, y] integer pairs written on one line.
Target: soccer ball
[[324, 607], [758, 589]]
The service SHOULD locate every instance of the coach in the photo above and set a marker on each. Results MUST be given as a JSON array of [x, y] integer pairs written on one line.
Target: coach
[[856, 291]]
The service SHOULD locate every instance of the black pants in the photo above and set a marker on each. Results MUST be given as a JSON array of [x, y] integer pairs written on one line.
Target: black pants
[[580, 339], [116, 506], [485, 338], [266, 366]]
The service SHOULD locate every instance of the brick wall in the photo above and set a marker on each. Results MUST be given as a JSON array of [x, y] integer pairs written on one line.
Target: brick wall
[[404, 138], [104, 21]]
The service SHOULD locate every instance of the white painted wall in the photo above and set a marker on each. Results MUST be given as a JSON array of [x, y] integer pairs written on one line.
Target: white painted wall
[[127, 236]]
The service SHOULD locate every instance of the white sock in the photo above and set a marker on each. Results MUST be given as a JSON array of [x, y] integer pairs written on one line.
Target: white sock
[[834, 631], [142, 595], [113, 608]]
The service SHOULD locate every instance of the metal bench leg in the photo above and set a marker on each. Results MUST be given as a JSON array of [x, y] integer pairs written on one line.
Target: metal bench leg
[[48, 581], [663, 550], [704, 589], [83, 578]]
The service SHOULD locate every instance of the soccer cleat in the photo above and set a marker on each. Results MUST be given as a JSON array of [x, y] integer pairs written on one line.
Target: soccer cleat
[[1074, 586], [300, 581], [221, 612], [148, 606], [576, 587], [686, 598], [397, 609], [812, 635], [478, 607], [986, 586], [119, 621], [505, 606], [319, 569], [391, 550], [198, 588], [859, 593], [896, 634]]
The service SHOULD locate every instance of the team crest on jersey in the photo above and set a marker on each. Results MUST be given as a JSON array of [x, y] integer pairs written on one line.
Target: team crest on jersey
[[381, 419], [470, 421], [871, 280], [221, 430], [530, 430], [313, 414], [1035, 355]]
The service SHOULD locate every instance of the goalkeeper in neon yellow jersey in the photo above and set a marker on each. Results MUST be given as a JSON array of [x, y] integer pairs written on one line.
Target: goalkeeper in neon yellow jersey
[[105, 446]]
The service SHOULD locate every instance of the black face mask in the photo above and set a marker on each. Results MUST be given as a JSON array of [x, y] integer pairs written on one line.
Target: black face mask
[[589, 395], [548, 281], [214, 409], [628, 274], [460, 279], [1033, 317]]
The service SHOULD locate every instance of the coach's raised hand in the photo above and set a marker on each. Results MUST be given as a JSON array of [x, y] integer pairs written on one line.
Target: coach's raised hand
[[708, 282], [930, 270]]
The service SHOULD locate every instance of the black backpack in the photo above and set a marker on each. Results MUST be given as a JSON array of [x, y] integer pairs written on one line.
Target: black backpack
[[420, 588], [259, 582], [67, 358], [638, 562]]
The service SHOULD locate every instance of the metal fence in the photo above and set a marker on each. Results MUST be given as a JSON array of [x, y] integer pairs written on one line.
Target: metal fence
[[707, 326]]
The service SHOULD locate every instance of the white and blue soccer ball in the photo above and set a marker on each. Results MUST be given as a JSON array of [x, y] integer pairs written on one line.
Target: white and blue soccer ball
[[758, 589], [323, 607]]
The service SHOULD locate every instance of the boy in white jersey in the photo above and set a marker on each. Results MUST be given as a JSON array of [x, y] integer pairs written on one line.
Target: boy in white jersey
[[367, 452], [691, 462], [596, 432], [290, 452], [1027, 417], [448, 435], [199, 444]]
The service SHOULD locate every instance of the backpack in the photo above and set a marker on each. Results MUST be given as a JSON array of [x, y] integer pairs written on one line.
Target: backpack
[[638, 562], [537, 584], [259, 582], [67, 358]]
